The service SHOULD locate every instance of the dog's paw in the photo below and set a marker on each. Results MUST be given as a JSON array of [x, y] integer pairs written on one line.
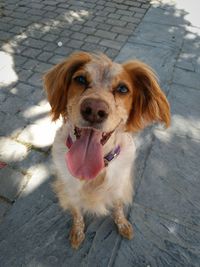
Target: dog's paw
[[126, 230], [76, 237]]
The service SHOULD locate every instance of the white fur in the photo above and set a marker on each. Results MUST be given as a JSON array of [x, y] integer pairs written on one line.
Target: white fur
[[117, 185]]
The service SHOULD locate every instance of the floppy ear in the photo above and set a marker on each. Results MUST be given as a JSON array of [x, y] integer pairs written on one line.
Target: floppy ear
[[149, 103], [57, 81]]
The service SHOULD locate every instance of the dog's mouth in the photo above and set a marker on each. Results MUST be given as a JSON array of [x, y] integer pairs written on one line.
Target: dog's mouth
[[85, 157], [104, 135]]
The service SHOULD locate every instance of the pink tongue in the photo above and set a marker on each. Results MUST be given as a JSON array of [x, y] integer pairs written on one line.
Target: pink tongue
[[85, 157]]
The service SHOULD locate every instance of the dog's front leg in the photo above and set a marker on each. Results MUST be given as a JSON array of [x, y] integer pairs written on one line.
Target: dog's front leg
[[124, 226], [77, 231]]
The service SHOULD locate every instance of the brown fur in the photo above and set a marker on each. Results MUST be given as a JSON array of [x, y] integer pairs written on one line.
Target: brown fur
[[124, 227], [57, 81], [149, 104], [143, 104], [77, 231]]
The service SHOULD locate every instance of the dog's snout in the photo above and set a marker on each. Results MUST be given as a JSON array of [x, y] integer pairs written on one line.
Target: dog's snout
[[94, 110]]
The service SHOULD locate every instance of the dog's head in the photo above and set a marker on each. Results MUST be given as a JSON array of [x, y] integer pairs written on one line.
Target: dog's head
[[99, 97], [93, 92]]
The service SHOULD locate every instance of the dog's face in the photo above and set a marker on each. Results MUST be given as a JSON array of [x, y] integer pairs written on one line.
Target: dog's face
[[99, 97], [91, 91]]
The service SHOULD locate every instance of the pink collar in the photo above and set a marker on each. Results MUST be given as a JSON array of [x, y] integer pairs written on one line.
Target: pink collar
[[109, 157]]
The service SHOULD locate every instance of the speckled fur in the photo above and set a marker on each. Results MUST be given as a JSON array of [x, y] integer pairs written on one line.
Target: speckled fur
[[144, 103]]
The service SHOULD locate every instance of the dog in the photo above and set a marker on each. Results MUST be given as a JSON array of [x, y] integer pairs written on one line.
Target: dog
[[101, 104]]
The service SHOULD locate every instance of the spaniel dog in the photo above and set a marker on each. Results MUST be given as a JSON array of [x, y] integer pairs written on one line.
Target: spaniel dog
[[101, 103]]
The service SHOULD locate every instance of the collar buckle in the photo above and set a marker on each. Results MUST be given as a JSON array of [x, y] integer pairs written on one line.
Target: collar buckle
[[112, 155]]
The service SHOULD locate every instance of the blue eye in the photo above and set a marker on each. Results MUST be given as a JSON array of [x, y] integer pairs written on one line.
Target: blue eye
[[81, 80], [122, 89]]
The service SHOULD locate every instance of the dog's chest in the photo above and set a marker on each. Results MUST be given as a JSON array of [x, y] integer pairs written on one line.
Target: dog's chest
[[91, 191], [96, 195]]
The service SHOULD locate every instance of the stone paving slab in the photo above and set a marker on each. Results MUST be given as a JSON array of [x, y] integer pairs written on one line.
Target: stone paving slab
[[185, 120], [165, 215], [177, 187], [37, 232], [160, 59], [34, 35], [167, 198], [161, 50], [183, 77], [159, 241], [167, 15], [12, 151], [11, 125], [4, 208], [169, 36], [12, 183]]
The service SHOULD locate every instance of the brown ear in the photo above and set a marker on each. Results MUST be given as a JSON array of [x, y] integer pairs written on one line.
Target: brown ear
[[149, 103], [57, 81]]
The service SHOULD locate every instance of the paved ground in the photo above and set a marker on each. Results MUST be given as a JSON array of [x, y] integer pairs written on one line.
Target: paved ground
[[165, 214], [34, 35]]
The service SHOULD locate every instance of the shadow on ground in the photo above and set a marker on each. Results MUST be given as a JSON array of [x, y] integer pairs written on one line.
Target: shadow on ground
[[165, 214]]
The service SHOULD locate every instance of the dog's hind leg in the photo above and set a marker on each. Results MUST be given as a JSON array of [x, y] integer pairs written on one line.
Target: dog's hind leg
[[124, 226], [77, 231]]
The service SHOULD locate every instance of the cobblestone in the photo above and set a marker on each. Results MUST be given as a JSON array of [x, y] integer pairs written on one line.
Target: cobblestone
[[112, 53], [88, 30], [31, 52], [4, 36], [22, 89], [4, 207], [11, 125], [12, 105], [12, 183], [42, 67], [111, 44], [50, 47], [120, 30], [45, 56], [79, 36], [35, 35], [40, 135], [65, 50], [76, 44], [50, 37], [20, 22], [93, 47], [56, 59], [23, 75], [106, 34], [92, 39], [30, 64], [20, 60], [35, 79], [122, 38], [12, 151]]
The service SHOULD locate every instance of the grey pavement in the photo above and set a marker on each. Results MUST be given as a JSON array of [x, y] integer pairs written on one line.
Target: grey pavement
[[165, 214]]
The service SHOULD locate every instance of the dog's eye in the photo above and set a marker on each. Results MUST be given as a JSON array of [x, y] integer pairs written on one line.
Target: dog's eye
[[81, 80], [122, 89]]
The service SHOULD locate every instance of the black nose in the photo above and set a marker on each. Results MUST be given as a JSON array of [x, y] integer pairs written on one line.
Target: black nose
[[94, 110]]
